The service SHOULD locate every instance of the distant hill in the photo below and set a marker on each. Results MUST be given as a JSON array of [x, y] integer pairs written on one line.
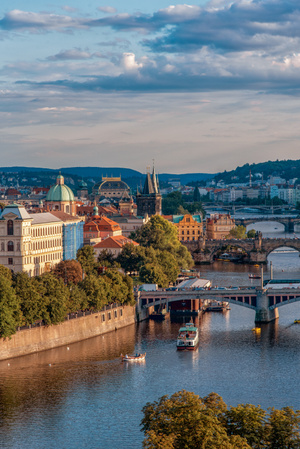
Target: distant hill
[[132, 177], [286, 169]]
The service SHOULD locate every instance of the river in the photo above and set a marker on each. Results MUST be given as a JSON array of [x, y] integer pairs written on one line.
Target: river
[[83, 397]]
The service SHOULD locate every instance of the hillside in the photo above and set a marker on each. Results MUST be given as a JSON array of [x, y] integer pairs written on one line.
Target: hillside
[[286, 169]]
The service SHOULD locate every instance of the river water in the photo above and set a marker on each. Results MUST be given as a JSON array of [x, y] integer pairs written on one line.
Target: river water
[[82, 396]]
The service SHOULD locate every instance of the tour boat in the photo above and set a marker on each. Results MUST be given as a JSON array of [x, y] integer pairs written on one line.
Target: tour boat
[[188, 337], [297, 321], [133, 358]]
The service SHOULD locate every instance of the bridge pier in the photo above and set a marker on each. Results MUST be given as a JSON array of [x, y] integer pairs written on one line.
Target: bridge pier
[[263, 313]]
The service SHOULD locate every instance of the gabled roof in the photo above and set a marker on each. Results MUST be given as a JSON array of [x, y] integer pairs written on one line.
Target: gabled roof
[[16, 209], [115, 242]]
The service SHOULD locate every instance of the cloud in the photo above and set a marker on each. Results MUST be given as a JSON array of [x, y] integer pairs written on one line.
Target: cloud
[[107, 9], [61, 109], [74, 54], [22, 20]]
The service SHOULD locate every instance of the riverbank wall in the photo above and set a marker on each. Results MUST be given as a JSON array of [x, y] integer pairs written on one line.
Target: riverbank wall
[[74, 329]]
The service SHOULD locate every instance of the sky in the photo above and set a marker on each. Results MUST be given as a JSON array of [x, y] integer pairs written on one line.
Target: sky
[[199, 87]]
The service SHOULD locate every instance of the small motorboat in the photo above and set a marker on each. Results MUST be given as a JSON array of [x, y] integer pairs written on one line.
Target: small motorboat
[[297, 321], [133, 358], [254, 276]]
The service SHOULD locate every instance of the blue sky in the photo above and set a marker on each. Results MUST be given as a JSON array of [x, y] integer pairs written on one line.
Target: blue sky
[[198, 87]]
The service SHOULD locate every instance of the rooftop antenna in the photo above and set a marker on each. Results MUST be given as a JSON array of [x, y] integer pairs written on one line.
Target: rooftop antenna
[[250, 182]]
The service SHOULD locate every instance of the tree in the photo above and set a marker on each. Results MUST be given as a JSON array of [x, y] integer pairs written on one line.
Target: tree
[[131, 257], [251, 234], [196, 195], [239, 232], [54, 297], [106, 258], [185, 421], [284, 427], [6, 272], [70, 271], [97, 291], [86, 258], [77, 299], [28, 291], [10, 312], [247, 421], [153, 274]]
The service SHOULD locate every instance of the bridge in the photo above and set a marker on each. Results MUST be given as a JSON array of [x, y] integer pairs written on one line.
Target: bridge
[[265, 302], [257, 249], [289, 223], [233, 208]]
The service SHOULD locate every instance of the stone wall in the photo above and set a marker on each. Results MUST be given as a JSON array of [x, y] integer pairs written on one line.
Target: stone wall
[[41, 338]]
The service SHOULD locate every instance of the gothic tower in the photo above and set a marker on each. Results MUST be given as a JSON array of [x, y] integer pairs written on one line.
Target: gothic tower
[[149, 200]]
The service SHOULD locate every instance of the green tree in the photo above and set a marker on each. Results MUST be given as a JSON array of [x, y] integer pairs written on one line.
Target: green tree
[[70, 271], [31, 303], [55, 297], [77, 299], [153, 274], [283, 429], [196, 195], [86, 258], [251, 234], [239, 232], [106, 258], [6, 272], [97, 291], [247, 421], [131, 257], [10, 312], [185, 420]]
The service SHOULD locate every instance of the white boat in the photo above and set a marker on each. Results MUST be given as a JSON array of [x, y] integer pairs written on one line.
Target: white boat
[[133, 358], [188, 337]]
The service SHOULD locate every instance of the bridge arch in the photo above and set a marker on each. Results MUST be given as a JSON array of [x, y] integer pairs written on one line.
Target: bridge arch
[[235, 243], [283, 303], [288, 244]]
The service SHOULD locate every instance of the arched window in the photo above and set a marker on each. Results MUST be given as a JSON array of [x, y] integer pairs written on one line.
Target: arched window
[[10, 227], [2, 246], [10, 246]]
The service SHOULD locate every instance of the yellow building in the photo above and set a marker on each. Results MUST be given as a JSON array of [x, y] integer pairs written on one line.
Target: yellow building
[[190, 227], [218, 226]]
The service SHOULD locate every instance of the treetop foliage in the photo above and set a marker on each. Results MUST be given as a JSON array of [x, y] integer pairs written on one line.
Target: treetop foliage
[[187, 421]]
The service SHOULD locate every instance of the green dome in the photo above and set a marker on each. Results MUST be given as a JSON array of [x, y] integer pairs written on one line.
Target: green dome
[[82, 185], [60, 192]]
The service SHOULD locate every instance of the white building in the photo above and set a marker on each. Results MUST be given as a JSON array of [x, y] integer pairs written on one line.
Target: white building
[[29, 242]]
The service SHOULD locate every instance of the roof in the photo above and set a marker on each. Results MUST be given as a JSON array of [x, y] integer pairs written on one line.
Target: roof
[[17, 209], [179, 218], [63, 216], [194, 283], [60, 192], [115, 242], [44, 217]]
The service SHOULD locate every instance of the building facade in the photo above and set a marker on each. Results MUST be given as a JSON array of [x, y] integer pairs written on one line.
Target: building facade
[[30, 242], [218, 226]]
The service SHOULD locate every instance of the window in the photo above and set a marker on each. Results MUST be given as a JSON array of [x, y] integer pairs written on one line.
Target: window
[[10, 227], [10, 261], [10, 246], [2, 246], [109, 315], [116, 314], [103, 317], [121, 312]]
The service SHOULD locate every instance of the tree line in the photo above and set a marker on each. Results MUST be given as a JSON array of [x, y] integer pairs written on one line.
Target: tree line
[[188, 421], [48, 298]]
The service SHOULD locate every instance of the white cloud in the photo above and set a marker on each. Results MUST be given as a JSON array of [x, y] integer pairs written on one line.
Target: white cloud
[[107, 9]]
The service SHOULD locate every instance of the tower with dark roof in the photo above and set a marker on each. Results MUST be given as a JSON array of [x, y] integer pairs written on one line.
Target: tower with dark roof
[[149, 200]]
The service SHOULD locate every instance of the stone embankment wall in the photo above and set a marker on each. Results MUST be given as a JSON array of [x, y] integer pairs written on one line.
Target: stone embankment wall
[[41, 338]]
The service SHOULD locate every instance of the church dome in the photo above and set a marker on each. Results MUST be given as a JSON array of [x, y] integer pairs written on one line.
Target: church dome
[[60, 192], [82, 185]]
